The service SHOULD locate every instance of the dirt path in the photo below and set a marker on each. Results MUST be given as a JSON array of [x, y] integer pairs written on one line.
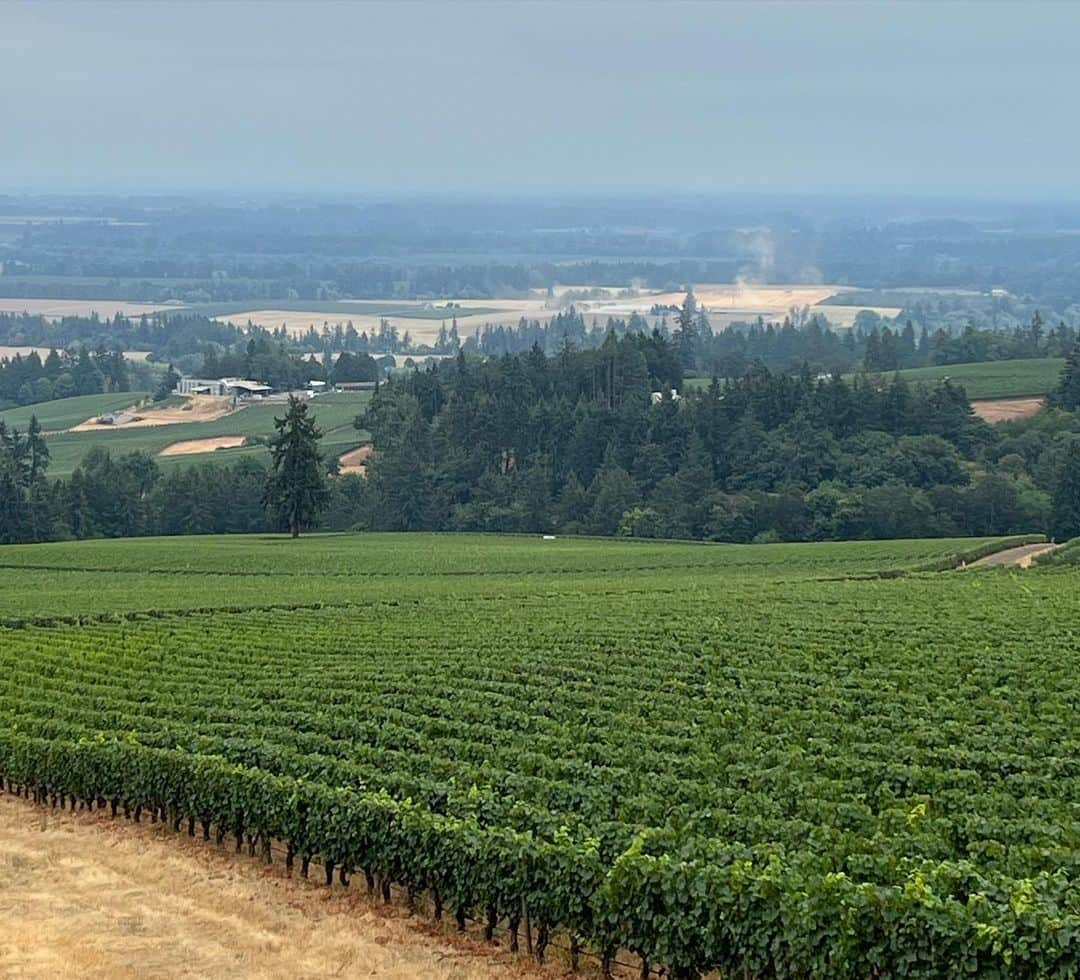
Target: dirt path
[[1022, 556], [197, 408], [83, 896]]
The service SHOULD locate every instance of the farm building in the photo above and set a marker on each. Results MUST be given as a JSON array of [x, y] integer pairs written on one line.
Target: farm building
[[355, 386], [241, 388], [227, 387], [199, 386]]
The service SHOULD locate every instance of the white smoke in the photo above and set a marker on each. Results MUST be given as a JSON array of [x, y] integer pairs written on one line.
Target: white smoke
[[759, 243]]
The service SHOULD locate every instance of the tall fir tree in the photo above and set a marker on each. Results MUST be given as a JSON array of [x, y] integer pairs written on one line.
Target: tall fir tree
[[296, 488]]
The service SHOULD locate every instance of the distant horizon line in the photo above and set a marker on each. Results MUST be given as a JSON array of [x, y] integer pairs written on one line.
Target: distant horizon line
[[17, 189]]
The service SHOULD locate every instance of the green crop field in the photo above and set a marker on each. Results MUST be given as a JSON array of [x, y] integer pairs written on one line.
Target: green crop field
[[997, 379], [762, 760], [63, 413], [334, 411], [987, 380]]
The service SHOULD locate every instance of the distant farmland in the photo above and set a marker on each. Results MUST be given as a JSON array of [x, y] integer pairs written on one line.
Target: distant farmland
[[334, 413], [996, 379], [63, 413]]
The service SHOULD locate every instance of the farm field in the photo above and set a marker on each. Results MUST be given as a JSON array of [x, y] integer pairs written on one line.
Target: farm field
[[335, 413], [1007, 409], [762, 760], [725, 303], [63, 413], [147, 574], [1022, 379], [1019, 378], [43, 352], [57, 309]]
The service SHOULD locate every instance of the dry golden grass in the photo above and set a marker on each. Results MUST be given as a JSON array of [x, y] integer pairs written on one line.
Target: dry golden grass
[[354, 461], [1007, 409], [88, 898], [55, 309], [43, 352], [725, 303], [190, 446]]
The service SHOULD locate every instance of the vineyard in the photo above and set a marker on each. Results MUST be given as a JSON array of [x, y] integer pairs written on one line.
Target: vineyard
[[767, 761]]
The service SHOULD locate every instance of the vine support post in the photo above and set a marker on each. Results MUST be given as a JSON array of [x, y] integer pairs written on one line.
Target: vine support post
[[528, 928]]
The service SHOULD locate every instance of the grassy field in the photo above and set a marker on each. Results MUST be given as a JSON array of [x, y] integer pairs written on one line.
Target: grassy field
[[334, 412], [622, 737], [63, 413], [987, 380], [996, 379]]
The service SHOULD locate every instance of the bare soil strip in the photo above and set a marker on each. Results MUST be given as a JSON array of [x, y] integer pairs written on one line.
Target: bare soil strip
[[354, 461], [190, 446], [1007, 409], [84, 896], [199, 408], [1021, 557]]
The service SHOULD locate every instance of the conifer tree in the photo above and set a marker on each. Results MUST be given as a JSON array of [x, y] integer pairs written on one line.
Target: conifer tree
[[296, 487]]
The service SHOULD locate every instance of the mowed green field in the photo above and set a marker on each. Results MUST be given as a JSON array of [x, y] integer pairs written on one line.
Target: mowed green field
[[761, 760], [335, 413], [1018, 378], [63, 413], [996, 379]]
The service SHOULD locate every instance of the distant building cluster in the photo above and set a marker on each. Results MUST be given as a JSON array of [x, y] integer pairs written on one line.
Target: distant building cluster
[[225, 387]]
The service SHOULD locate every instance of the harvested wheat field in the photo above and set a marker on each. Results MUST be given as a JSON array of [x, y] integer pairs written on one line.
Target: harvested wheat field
[[1007, 409], [190, 446], [57, 309], [198, 408], [89, 898], [43, 352], [354, 461]]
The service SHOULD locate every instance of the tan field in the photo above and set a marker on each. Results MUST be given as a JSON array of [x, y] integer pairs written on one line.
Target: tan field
[[199, 408], [191, 446], [422, 330], [1007, 409], [88, 898], [724, 303], [43, 352], [56, 309], [354, 461]]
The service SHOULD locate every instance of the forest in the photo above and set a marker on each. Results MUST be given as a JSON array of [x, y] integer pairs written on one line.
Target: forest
[[603, 442]]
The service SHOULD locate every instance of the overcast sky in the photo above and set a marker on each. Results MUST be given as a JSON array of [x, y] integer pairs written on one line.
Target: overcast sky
[[430, 96]]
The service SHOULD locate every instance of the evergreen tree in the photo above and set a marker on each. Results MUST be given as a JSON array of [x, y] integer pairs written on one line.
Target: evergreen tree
[[1067, 394], [296, 486], [1065, 500], [686, 332]]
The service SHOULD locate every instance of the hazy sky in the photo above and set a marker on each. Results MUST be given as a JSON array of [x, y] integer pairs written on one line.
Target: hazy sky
[[803, 97]]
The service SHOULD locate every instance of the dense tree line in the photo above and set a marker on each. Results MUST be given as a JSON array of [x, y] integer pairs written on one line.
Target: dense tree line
[[132, 496], [593, 442], [29, 380]]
